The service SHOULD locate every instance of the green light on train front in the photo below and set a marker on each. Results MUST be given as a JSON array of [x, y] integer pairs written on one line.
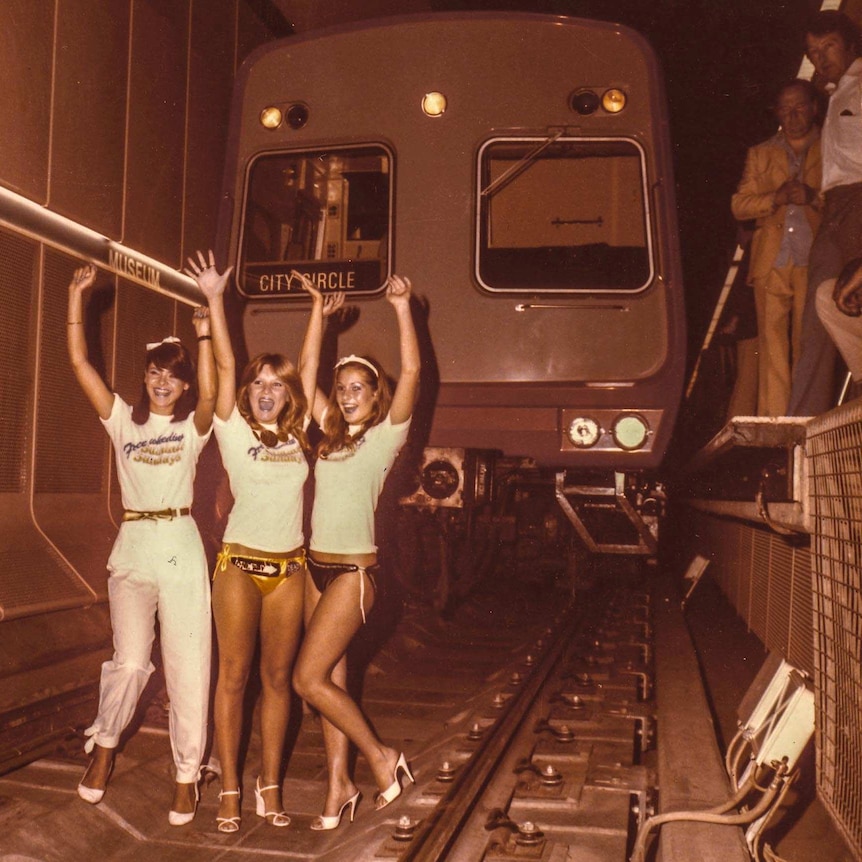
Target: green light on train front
[[434, 104], [630, 431], [271, 117]]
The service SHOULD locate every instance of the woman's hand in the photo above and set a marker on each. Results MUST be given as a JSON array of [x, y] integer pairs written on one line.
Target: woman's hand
[[82, 279], [211, 282], [331, 302], [398, 290]]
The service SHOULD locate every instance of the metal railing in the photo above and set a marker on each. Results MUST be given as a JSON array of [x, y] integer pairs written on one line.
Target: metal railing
[[834, 449]]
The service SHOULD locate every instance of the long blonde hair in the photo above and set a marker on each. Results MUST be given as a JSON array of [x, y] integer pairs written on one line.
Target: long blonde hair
[[291, 420]]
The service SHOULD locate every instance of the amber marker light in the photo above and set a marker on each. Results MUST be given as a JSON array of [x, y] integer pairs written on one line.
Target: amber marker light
[[271, 117], [434, 104], [613, 101]]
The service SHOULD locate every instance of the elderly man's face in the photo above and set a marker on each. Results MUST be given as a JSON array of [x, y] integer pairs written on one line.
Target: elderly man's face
[[830, 55], [795, 111]]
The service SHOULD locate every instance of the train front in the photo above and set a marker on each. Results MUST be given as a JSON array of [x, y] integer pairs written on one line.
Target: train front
[[517, 168]]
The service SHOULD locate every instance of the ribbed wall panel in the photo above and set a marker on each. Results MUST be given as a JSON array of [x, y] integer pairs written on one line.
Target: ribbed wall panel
[[745, 563], [781, 589], [17, 280], [764, 576], [70, 441], [800, 649]]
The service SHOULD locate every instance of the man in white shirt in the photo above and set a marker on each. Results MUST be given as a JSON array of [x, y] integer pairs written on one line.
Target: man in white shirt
[[832, 45]]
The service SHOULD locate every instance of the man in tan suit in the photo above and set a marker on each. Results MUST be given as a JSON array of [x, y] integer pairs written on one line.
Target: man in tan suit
[[780, 190]]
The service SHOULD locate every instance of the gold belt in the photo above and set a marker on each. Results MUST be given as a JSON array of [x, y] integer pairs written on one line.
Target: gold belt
[[159, 515]]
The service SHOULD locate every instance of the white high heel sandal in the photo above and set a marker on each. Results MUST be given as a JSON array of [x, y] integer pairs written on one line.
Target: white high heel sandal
[[324, 824], [180, 818], [394, 790], [228, 824], [279, 818], [93, 795]]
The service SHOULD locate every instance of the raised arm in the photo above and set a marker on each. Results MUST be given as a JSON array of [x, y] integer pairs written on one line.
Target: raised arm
[[89, 379], [213, 285], [309, 357], [398, 293], [206, 371]]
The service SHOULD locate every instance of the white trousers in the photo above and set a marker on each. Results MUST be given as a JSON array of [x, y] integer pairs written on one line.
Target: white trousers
[[158, 567], [844, 330]]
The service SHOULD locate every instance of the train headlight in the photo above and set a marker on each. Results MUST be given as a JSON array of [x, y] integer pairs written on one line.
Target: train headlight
[[584, 102], [439, 479], [584, 432], [630, 431], [271, 117], [613, 100], [434, 104]]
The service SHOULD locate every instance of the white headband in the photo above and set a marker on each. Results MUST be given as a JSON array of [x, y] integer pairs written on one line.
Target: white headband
[[170, 339], [353, 358]]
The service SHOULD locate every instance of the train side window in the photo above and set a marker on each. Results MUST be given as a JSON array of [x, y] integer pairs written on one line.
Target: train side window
[[562, 215], [326, 213]]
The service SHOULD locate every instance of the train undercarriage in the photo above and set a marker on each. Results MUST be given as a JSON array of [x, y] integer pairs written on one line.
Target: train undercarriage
[[464, 510]]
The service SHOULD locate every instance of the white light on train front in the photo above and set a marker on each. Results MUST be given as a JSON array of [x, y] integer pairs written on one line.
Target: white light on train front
[[630, 431], [434, 104], [584, 432], [614, 100], [271, 117]]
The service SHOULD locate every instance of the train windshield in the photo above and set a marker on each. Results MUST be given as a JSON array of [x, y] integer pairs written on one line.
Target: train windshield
[[325, 213], [562, 215]]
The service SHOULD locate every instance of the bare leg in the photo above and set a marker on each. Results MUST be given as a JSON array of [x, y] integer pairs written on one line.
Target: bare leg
[[339, 784], [237, 609], [280, 627], [332, 625]]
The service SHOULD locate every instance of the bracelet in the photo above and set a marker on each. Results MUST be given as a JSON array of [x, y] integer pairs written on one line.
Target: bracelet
[[205, 338], [74, 323]]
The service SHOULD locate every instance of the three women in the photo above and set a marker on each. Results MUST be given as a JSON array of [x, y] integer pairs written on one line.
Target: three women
[[260, 574]]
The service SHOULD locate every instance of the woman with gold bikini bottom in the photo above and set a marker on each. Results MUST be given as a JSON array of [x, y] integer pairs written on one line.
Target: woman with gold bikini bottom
[[259, 579]]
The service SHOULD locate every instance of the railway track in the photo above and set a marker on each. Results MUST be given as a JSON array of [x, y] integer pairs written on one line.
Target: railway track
[[529, 727]]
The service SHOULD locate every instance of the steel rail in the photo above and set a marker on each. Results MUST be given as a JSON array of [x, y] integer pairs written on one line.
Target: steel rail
[[437, 837]]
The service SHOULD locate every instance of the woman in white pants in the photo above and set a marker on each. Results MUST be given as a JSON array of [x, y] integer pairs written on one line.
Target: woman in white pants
[[157, 566]]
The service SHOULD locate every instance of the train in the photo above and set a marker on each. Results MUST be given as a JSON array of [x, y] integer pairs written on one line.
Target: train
[[517, 167]]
